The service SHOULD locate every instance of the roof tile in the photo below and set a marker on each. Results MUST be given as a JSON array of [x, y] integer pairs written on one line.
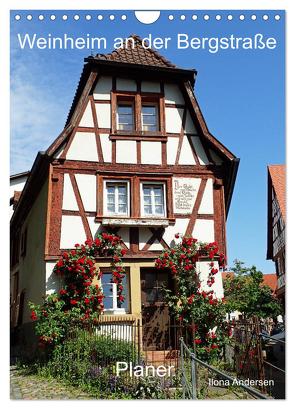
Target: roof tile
[[278, 178], [136, 55]]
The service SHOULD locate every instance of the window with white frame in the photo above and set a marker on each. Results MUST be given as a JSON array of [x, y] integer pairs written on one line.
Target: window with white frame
[[149, 117], [116, 198], [111, 300], [153, 200]]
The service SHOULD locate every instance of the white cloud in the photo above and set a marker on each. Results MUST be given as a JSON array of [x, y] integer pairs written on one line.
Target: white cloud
[[38, 110]]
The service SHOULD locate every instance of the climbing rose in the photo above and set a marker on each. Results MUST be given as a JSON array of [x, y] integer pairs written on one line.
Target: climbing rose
[[34, 316]]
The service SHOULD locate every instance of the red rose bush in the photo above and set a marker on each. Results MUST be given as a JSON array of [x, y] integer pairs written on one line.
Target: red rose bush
[[80, 300]]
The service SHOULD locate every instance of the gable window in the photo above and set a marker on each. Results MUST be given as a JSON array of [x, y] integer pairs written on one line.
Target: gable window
[[111, 300], [125, 116], [137, 113], [117, 198], [153, 200], [149, 117]]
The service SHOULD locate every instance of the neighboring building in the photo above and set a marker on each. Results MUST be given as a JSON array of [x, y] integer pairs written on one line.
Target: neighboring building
[[17, 183], [276, 221], [135, 158]]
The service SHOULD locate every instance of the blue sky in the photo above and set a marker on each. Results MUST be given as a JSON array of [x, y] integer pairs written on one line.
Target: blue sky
[[241, 94]]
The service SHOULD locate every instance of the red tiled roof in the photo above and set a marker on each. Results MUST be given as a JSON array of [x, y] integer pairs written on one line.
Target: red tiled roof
[[278, 179], [136, 55], [268, 279], [271, 280]]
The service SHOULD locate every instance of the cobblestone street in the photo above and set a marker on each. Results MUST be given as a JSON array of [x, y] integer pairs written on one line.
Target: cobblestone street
[[31, 387]]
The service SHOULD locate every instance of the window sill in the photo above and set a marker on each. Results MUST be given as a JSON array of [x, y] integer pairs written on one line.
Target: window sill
[[150, 222], [138, 136], [116, 311]]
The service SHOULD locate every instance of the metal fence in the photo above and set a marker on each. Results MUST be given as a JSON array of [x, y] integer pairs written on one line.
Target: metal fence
[[109, 342], [195, 378]]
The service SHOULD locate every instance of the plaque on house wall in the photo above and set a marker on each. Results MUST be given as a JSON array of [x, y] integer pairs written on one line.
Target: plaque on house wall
[[184, 194]]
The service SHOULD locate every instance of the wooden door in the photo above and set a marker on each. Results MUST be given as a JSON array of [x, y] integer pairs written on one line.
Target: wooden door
[[156, 331]]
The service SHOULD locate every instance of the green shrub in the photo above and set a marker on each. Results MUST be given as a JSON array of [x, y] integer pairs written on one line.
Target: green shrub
[[89, 359]]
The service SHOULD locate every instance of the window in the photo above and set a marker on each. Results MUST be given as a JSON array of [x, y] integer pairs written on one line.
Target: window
[[153, 200], [125, 117], [111, 301], [149, 117], [116, 202], [137, 113]]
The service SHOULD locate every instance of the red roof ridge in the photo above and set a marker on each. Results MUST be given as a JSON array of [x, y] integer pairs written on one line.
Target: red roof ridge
[[136, 55]]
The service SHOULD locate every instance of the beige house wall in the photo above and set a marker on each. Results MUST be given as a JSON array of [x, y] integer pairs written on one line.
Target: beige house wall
[[31, 267]]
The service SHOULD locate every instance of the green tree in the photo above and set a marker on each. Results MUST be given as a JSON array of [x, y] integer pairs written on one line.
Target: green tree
[[246, 293]]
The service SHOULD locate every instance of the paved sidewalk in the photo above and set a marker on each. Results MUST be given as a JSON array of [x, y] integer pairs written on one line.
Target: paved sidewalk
[[31, 387]]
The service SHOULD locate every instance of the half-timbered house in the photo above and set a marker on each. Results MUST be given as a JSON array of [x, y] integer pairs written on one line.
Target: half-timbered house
[[276, 221], [135, 158]]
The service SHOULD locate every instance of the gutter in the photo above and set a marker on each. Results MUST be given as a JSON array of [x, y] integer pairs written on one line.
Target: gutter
[[234, 166]]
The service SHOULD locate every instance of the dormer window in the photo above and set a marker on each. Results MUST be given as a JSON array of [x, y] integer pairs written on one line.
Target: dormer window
[[149, 118]]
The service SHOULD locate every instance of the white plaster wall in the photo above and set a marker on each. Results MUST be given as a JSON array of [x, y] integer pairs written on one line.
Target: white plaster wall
[[103, 113], [150, 86], [151, 153], [69, 201], [83, 147], [72, 232], [203, 269], [216, 158], [126, 84], [106, 146], [186, 154], [170, 231], [173, 119], [172, 145], [87, 189], [126, 152], [144, 235], [103, 88], [173, 95], [189, 125], [53, 281], [87, 118], [206, 206], [203, 159], [204, 230], [124, 233], [95, 227]]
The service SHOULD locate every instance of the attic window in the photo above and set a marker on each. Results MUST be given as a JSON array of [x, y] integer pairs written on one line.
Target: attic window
[[125, 116], [137, 114], [149, 117]]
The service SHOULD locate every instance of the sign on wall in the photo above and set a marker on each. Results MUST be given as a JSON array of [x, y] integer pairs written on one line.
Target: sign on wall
[[184, 194]]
